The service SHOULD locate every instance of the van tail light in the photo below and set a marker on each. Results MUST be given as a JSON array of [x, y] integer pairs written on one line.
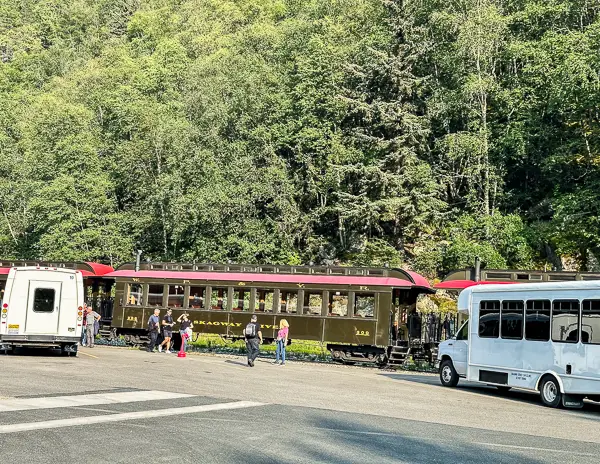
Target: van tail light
[[4, 310]]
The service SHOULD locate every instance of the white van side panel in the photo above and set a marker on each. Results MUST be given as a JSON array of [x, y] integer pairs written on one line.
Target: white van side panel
[[65, 322]]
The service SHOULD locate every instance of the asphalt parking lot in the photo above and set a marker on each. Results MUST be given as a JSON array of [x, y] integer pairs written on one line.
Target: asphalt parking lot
[[121, 405]]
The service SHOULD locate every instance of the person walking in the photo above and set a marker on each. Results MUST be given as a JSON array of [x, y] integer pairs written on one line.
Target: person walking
[[153, 329], [167, 327], [253, 337], [84, 325], [282, 339], [185, 329], [90, 319]]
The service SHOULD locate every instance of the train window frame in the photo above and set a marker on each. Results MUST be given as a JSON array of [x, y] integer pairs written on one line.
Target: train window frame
[[285, 303], [583, 317], [246, 296], [530, 307], [522, 314], [191, 297], [169, 296], [141, 293], [578, 313], [358, 295], [214, 291], [306, 306], [338, 295], [266, 307], [489, 311], [162, 296]]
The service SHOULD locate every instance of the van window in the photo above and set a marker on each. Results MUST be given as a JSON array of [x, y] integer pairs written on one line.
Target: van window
[[565, 321], [43, 300], [537, 320], [590, 322], [463, 332], [489, 319], [511, 320]]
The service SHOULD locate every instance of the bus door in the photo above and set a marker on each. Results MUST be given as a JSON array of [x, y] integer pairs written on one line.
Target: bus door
[[43, 307]]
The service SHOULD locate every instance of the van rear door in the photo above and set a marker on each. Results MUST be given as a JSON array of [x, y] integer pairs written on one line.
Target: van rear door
[[43, 307]]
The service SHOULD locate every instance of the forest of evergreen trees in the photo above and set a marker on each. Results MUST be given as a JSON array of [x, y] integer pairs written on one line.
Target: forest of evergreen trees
[[418, 133]]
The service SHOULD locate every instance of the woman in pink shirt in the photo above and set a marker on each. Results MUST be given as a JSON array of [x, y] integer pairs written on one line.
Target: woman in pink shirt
[[282, 338]]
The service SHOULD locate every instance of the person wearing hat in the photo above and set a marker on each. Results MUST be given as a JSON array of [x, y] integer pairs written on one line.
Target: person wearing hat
[[167, 326], [185, 328]]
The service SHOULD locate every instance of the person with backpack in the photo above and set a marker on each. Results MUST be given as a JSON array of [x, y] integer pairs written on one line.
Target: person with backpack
[[253, 337], [153, 329]]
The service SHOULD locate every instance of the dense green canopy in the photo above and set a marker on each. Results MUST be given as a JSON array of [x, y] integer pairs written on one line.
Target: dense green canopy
[[416, 132]]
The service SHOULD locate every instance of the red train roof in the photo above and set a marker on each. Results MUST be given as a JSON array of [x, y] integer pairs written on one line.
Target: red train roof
[[275, 278], [462, 284]]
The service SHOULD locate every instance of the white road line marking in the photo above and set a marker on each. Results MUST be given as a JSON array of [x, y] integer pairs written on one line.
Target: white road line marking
[[93, 399], [80, 421], [531, 448]]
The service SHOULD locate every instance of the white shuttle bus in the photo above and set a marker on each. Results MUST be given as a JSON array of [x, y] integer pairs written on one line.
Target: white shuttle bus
[[543, 337], [42, 307]]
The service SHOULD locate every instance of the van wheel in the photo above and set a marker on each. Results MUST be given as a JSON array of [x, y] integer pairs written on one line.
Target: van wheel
[[550, 392], [448, 375]]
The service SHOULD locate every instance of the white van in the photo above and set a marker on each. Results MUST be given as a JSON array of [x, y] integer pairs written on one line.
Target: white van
[[543, 337], [42, 307]]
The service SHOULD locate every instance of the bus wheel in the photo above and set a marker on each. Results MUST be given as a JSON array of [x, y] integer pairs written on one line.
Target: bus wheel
[[448, 375], [550, 392]]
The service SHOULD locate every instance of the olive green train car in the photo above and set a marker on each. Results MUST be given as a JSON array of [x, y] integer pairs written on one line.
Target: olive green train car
[[351, 309]]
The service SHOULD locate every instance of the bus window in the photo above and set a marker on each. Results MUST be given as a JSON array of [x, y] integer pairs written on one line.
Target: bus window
[[489, 319], [338, 304], [590, 322], [565, 321], [511, 320], [289, 302], [155, 295], [135, 294], [537, 320], [364, 305], [463, 333]]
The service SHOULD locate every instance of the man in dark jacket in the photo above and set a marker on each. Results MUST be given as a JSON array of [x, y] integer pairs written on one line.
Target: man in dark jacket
[[153, 329], [253, 337]]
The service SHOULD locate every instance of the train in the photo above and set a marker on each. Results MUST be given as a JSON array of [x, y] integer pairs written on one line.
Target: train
[[361, 314]]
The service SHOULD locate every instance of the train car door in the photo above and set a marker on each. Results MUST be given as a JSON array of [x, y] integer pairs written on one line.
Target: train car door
[[43, 307]]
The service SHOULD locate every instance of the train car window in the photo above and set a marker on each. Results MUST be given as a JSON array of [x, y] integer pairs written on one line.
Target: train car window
[[175, 296], [264, 300], [511, 320], [364, 305], [338, 304], [241, 299], [135, 294], [489, 319], [565, 321], [313, 302], [289, 302], [590, 322], [155, 295], [537, 320], [218, 299], [196, 298]]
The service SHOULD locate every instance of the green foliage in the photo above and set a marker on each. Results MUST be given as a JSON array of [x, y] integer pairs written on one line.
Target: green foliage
[[412, 133]]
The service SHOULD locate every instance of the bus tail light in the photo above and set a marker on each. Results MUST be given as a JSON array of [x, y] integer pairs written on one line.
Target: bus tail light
[[4, 310]]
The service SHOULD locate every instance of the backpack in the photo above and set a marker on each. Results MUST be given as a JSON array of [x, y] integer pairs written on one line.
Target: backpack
[[250, 330]]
